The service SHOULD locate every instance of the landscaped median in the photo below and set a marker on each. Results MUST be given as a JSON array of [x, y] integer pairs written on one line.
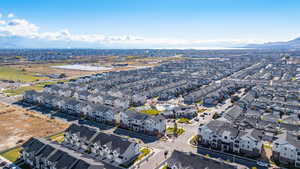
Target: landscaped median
[[171, 130], [202, 110], [193, 141], [144, 152], [151, 112], [184, 120]]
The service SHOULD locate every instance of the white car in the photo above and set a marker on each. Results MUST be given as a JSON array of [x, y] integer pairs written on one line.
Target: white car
[[261, 163]]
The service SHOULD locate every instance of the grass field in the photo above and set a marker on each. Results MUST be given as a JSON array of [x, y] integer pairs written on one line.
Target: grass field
[[151, 112], [21, 90], [12, 155], [17, 75]]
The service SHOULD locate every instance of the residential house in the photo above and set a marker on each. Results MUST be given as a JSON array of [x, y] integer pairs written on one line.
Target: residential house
[[286, 149], [224, 136], [102, 146], [42, 154], [184, 160], [139, 122]]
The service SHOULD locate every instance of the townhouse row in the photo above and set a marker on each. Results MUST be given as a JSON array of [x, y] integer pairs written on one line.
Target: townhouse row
[[224, 136], [101, 146], [184, 160], [83, 148], [132, 120], [42, 154]]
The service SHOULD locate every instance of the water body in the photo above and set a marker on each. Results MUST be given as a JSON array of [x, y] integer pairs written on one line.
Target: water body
[[82, 67]]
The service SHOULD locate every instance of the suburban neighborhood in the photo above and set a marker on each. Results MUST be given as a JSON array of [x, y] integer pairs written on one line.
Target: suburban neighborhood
[[191, 113], [227, 112]]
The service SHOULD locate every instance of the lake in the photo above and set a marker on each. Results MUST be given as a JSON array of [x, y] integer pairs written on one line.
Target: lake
[[82, 67]]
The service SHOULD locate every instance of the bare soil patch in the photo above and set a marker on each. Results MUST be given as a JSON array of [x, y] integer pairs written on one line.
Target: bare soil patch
[[17, 125]]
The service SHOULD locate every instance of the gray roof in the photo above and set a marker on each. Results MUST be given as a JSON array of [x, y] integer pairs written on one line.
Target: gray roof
[[233, 113], [90, 134], [219, 126], [191, 161], [83, 132], [113, 142], [62, 157], [32, 145], [292, 138]]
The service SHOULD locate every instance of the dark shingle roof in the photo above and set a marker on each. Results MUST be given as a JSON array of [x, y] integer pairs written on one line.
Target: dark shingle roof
[[46, 151], [65, 161], [219, 126], [192, 161], [33, 145], [114, 142]]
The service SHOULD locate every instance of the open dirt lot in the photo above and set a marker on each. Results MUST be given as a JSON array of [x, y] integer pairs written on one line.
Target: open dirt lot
[[47, 69], [17, 125], [44, 69]]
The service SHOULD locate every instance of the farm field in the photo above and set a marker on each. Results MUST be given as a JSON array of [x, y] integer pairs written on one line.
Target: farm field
[[17, 125], [36, 86], [18, 75]]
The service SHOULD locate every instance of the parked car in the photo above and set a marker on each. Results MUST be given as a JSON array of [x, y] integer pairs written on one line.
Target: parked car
[[262, 163], [3, 163]]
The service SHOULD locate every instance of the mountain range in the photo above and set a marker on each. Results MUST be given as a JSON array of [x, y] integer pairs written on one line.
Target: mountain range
[[292, 44]]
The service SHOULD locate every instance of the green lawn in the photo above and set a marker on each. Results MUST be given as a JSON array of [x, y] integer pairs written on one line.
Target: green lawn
[[194, 140], [200, 102], [21, 90], [12, 155], [151, 112], [170, 130], [17, 75], [165, 167], [58, 137], [184, 120], [202, 110], [144, 153]]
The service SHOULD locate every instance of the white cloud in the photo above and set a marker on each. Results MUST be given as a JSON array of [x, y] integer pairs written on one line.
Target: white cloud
[[24, 29], [0, 15], [11, 15], [19, 27]]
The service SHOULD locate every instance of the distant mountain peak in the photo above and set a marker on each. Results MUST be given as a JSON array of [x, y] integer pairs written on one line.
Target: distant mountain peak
[[292, 44]]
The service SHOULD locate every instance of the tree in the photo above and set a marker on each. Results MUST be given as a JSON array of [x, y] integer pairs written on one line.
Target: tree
[[166, 153], [62, 75], [175, 129]]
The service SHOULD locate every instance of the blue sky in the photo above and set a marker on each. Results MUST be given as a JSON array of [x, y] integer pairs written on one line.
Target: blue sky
[[177, 21]]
